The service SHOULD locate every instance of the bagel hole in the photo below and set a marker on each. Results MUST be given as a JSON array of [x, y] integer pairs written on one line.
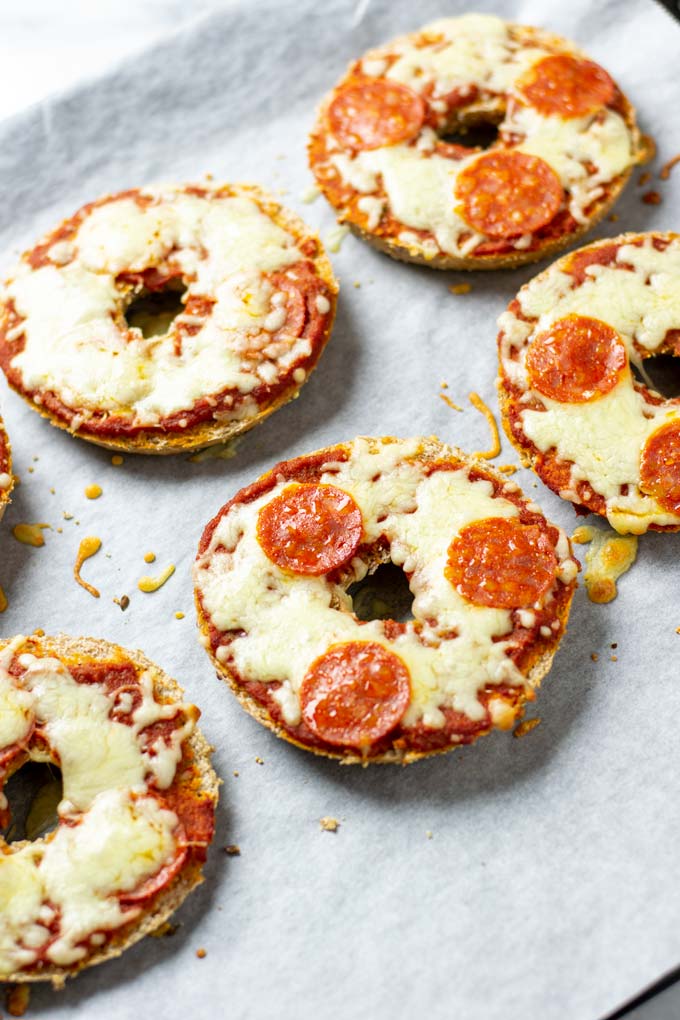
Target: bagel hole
[[660, 373], [154, 311], [383, 594], [33, 794], [474, 131]]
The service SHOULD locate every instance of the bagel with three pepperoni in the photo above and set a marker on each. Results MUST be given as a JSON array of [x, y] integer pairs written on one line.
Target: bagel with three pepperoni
[[571, 404], [255, 296], [492, 582], [6, 476], [567, 141], [137, 811]]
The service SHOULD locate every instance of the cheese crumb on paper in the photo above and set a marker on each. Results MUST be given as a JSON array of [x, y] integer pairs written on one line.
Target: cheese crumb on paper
[[608, 556]]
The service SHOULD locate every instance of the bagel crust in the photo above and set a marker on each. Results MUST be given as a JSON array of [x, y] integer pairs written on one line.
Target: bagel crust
[[6, 476], [137, 812], [567, 142], [272, 579], [571, 404], [258, 296]]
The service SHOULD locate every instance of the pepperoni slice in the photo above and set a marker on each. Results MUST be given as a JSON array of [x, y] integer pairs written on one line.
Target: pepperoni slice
[[576, 360], [567, 86], [501, 563], [156, 882], [355, 693], [371, 114], [660, 466], [506, 193], [296, 307], [310, 529]]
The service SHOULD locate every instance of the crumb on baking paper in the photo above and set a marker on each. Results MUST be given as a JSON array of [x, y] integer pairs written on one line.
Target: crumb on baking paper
[[609, 555], [93, 491], [526, 726], [66, 515], [236, 773], [123, 602], [508, 469], [479, 404], [665, 171], [594, 656], [164, 930], [116, 460], [30, 534], [53, 492], [259, 761], [444, 385], [644, 178], [357, 284], [329, 824], [614, 644], [613, 217], [179, 615], [89, 546], [30, 470], [149, 584], [232, 850], [614, 658], [449, 403], [149, 557], [652, 198], [460, 288], [3, 600], [201, 953], [428, 833], [17, 998]]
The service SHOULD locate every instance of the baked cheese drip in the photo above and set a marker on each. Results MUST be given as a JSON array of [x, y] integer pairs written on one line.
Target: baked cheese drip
[[255, 314], [571, 402], [566, 135], [117, 842], [6, 476], [275, 565]]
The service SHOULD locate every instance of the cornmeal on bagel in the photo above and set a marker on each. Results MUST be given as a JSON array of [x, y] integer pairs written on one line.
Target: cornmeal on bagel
[[567, 141], [492, 581], [6, 476], [571, 404], [258, 305], [137, 812]]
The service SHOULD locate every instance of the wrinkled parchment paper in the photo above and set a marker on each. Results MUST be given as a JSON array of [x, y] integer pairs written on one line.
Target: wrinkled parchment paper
[[531, 878]]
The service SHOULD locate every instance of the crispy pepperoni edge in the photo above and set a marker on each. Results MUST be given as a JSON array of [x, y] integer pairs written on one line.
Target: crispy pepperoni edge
[[119, 426], [550, 468], [194, 807], [345, 199], [531, 645]]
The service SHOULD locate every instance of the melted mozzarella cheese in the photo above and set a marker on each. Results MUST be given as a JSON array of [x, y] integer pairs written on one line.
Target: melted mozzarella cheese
[[78, 345], [119, 842], [469, 52], [603, 438], [117, 835], [288, 621]]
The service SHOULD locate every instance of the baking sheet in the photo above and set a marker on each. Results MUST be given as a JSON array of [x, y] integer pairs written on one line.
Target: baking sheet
[[516, 878]]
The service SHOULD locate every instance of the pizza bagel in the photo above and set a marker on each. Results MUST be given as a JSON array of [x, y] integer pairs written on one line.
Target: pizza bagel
[[391, 153], [136, 815], [252, 300], [570, 345], [492, 582]]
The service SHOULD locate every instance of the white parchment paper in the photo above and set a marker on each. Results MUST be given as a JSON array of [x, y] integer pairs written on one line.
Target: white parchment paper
[[548, 887]]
